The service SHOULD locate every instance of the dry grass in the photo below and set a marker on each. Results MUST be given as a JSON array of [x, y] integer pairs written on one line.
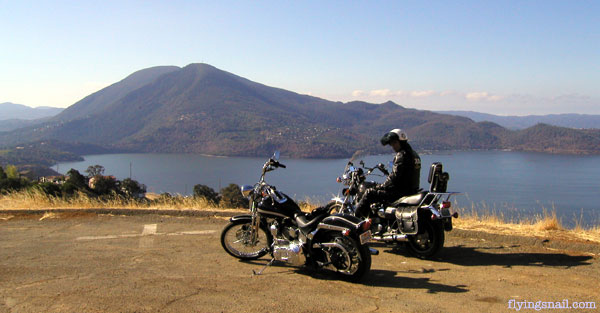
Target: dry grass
[[38, 200], [547, 224]]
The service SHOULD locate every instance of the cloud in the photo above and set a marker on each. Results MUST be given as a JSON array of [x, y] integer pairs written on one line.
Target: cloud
[[422, 94], [358, 93], [481, 96], [381, 93]]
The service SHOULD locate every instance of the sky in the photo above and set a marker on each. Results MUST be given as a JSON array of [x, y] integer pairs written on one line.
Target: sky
[[499, 57]]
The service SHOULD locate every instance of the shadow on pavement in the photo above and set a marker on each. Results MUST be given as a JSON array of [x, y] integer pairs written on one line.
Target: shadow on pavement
[[477, 256], [384, 278]]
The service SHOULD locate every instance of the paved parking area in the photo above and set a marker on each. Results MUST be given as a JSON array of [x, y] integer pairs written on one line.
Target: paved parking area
[[151, 263]]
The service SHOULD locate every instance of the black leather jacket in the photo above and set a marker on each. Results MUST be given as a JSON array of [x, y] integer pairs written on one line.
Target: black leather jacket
[[404, 178]]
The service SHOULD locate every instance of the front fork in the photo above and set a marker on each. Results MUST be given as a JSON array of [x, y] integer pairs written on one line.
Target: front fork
[[255, 223]]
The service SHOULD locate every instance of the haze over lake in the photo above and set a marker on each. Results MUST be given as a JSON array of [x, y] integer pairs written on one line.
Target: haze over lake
[[515, 184]]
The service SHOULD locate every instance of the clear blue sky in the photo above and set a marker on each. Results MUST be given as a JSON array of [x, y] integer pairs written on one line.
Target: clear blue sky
[[502, 57]]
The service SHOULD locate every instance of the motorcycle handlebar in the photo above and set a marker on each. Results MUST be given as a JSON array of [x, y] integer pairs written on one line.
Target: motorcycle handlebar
[[276, 163]]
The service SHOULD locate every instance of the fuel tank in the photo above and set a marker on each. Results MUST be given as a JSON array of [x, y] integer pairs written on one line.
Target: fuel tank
[[282, 207]]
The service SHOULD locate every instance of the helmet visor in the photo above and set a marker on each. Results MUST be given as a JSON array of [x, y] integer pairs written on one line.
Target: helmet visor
[[385, 140]]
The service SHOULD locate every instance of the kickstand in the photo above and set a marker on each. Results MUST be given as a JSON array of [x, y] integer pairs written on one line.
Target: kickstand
[[264, 268]]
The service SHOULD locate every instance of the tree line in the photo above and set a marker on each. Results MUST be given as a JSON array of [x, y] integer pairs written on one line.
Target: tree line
[[96, 184]]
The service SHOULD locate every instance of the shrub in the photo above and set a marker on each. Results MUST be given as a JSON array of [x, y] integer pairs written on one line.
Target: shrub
[[104, 185], [132, 188], [232, 197], [13, 184], [50, 189], [209, 194]]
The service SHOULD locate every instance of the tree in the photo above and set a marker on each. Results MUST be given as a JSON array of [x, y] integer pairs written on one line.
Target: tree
[[132, 188], [203, 191], [95, 170], [231, 196], [12, 171], [104, 185], [76, 179], [2, 174]]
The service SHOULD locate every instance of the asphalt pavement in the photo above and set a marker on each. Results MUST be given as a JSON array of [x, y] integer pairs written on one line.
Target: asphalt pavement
[[86, 262]]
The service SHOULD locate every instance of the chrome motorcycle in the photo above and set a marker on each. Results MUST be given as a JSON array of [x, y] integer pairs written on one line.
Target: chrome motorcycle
[[278, 227], [419, 220]]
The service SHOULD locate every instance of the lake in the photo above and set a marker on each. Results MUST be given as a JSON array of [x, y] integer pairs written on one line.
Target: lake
[[514, 184]]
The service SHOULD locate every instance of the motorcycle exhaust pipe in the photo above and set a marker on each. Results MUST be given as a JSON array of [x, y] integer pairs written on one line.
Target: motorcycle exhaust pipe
[[390, 238]]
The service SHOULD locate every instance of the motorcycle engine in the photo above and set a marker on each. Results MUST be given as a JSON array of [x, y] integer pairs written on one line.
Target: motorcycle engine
[[286, 247], [290, 252]]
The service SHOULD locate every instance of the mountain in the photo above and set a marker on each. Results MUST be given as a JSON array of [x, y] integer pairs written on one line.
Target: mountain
[[98, 101], [11, 111], [579, 121], [12, 124], [201, 109]]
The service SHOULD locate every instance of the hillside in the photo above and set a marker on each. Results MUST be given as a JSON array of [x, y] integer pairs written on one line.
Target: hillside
[[12, 111], [585, 121], [201, 109]]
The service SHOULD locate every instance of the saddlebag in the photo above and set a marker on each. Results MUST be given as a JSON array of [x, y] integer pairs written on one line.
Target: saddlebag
[[407, 218]]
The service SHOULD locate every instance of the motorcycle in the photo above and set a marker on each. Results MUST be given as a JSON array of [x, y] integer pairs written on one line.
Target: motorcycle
[[419, 220], [278, 227]]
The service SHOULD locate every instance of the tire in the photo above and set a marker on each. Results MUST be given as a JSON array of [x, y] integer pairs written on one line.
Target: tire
[[334, 208], [235, 239], [352, 262], [428, 241]]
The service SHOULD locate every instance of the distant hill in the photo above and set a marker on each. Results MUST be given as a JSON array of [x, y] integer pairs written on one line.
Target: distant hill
[[99, 101], [12, 124], [11, 111], [579, 121], [201, 109]]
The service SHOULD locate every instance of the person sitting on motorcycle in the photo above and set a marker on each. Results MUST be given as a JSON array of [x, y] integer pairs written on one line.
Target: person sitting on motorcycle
[[404, 178]]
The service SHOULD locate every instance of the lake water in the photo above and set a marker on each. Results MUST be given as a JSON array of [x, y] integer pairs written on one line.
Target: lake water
[[514, 184]]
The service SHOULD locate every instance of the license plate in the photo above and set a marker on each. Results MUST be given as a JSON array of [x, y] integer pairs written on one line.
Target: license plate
[[365, 237]]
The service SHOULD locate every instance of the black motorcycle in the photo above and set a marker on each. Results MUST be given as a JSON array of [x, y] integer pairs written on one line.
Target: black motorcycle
[[278, 227], [419, 220]]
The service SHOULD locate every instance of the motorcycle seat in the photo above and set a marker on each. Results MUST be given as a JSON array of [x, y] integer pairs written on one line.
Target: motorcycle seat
[[304, 223], [410, 200]]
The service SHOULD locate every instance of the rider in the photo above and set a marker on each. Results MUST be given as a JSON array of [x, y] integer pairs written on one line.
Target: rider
[[403, 179]]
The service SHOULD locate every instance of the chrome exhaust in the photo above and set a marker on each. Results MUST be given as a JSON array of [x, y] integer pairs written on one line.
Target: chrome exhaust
[[390, 238]]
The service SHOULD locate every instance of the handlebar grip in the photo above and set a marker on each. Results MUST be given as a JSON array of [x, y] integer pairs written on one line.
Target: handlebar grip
[[281, 165]]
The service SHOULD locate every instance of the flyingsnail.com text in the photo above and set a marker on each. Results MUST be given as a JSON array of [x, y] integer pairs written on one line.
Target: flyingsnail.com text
[[549, 305]]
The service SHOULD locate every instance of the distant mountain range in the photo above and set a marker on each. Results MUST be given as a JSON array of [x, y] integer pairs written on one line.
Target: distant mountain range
[[520, 122], [201, 109], [9, 111], [13, 116]]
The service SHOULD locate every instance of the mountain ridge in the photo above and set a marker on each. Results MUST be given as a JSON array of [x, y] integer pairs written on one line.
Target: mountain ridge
[[202, 109], [569, 120], [14, 111]]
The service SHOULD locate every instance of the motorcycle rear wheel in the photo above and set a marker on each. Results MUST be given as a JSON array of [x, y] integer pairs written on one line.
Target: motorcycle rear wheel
[[353, 261], [236, 240], [428, 241]]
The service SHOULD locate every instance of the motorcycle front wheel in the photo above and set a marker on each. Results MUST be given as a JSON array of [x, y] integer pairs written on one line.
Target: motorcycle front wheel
[[428, 241], [236, 239]]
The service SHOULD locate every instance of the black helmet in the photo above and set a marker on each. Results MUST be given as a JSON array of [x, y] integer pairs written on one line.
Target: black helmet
[[394, 134]]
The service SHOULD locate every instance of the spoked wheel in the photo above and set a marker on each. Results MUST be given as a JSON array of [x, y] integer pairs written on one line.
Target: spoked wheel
[[240, 241], [349, 259], [428, 241]]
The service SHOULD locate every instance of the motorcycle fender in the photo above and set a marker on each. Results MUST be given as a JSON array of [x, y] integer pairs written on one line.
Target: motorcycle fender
[[445, 220], [241, 217], [337, 222]]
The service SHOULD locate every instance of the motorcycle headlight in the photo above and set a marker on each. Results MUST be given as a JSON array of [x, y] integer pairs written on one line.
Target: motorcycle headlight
[[247, 190]]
